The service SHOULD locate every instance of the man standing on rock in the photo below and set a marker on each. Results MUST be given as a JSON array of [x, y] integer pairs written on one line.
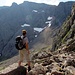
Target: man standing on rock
[[25, 51]]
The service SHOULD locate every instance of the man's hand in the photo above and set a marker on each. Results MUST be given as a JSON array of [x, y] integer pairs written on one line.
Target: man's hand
[[28, 51]]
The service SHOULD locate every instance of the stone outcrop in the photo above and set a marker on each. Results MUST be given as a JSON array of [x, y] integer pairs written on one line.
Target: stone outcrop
[[18, 71], [66, 32], [59, 63]]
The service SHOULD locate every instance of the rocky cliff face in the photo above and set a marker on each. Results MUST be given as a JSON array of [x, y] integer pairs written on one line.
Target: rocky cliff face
[[13, 18], [67, 32]]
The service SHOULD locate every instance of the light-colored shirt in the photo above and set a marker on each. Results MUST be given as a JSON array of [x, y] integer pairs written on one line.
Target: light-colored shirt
[[25, 40]]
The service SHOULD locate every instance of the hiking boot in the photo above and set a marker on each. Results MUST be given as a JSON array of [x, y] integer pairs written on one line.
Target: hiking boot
[[29, 68]]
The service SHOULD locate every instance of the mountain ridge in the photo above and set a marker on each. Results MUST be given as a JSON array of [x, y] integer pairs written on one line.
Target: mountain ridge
[[11, 19], [67, 32]]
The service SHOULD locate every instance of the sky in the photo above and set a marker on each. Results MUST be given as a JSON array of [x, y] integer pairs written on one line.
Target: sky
[[51, 2]]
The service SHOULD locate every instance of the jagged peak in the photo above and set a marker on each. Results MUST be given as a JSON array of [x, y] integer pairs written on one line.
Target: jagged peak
[[14, 4], [68, 2]]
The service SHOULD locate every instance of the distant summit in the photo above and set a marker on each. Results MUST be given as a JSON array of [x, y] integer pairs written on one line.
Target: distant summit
[[14, 4]]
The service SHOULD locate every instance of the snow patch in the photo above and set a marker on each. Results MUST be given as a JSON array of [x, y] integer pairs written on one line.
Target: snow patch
[[25, 25], [34, 11], [38, 29], [49, 18], [35, 35], [49, 23]]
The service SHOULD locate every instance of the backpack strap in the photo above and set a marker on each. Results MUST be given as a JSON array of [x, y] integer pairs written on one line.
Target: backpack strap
[[23, 37], [24, 45]]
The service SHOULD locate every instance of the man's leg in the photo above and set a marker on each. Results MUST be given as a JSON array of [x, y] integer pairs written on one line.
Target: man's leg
[[29, 67], [27, 57], [19, 63], [28, 62], [21, 57]]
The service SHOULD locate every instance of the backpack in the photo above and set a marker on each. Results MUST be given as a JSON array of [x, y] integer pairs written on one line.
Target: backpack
[[19, 43]]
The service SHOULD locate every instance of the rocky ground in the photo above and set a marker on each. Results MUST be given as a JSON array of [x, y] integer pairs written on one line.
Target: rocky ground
[[45, 62], [58, 63]]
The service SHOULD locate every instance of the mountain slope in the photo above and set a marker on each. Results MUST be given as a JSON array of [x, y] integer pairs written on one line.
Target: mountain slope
[[42, 40], [67, 32], [12, 18]]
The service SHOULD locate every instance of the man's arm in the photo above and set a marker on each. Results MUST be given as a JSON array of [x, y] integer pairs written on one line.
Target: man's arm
[[27, 48]]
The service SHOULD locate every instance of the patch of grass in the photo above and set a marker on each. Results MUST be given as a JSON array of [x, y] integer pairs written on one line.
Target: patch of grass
[[1, 68], [63, 40]]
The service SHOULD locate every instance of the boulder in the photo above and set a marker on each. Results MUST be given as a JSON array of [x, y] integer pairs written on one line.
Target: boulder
[[48, 73], [56, 58], [32, 72], [70, 62], [69, 70], [57, 73], [38, 69], [18, 71], [47, 62]]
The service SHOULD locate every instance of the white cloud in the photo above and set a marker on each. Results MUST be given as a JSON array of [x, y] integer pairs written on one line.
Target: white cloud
[[9, 2], [52, 2], [2, 2]]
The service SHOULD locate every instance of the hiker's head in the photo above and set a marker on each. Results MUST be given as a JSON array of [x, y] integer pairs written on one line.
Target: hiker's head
[[24, 32]]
